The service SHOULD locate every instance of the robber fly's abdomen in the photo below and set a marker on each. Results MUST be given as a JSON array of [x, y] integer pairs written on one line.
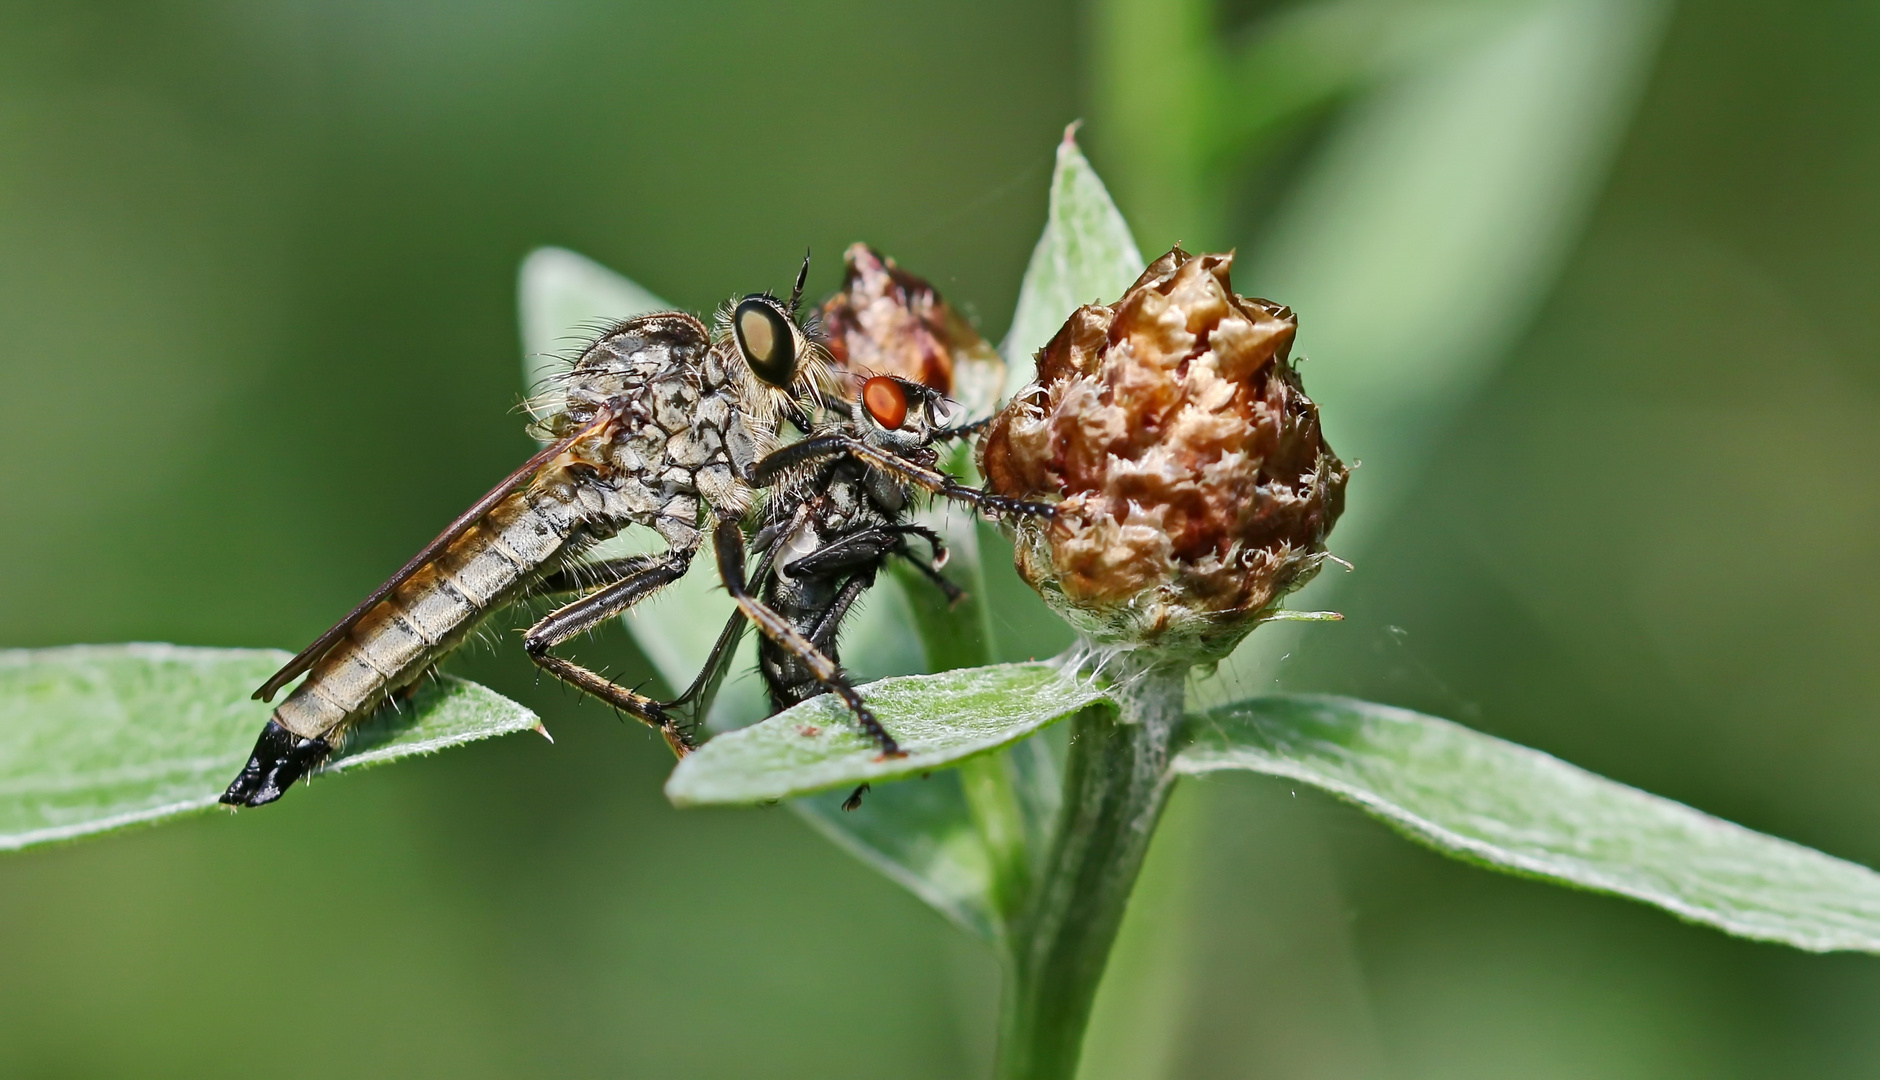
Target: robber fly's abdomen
[[430, 614]]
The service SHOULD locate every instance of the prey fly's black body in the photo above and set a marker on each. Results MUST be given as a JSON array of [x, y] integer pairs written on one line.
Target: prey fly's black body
[[837, 510]]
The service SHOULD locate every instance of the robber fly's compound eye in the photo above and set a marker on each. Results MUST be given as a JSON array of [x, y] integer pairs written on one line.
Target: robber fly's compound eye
[[768, 339], [885, 401]]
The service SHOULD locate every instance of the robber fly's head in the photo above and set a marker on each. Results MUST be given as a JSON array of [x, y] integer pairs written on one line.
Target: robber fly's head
[[900, 414], [782, 351]]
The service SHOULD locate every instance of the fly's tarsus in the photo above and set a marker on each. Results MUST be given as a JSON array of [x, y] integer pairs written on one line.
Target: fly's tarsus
[[964, 431]]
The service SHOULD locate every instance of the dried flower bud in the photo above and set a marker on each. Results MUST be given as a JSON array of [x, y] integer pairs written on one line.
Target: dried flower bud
[[1194, 487], [886, 321]]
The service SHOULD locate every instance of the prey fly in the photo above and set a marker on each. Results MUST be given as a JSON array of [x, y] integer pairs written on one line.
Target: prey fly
[[836, 511]]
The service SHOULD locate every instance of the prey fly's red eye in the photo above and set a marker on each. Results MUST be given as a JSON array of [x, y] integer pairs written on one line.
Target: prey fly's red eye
[[885, 401]]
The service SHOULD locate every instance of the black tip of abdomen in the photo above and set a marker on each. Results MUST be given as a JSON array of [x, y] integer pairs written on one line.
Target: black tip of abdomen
[[280, 758]]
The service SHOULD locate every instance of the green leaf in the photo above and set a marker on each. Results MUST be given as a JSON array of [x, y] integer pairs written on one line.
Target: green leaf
[[97, 737], [926, 837], [1086, 255], [921, 836], [939, 720], [1504, 806]]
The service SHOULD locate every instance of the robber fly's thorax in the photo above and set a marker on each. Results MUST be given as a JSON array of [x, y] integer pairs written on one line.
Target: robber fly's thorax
[[688, 422]]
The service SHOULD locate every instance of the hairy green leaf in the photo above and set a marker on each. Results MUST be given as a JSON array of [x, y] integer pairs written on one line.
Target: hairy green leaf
[[96, 737], [939, 720], [1511, 808], [1086, 255]]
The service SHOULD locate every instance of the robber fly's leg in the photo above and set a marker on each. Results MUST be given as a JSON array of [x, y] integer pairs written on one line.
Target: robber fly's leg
[[591, 611], [580, 577], [947, 487], [410, 690], [729, 543]]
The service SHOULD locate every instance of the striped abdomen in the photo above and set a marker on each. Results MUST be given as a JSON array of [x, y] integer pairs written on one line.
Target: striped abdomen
[[431, 613]]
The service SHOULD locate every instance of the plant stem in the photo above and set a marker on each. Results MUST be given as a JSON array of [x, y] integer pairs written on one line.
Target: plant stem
[[1116, 783], [993, 803]]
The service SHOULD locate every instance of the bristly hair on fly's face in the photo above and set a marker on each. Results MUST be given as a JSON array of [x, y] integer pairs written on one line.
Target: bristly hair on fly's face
[[786, 362]]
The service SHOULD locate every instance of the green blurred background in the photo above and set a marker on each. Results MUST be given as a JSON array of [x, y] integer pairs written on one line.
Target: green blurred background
[[257, 342]]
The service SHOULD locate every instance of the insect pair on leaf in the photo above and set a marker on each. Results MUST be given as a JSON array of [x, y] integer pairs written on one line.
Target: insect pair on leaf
[[660, 423]]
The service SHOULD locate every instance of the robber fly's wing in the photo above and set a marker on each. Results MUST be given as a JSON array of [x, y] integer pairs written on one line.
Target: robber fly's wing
[[696, 703], [308, 656]]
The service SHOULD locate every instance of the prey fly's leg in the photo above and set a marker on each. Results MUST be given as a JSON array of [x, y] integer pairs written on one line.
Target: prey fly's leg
[[691, 706], [952, 592], [823, 634], [929, 568], [729, 544], [817, 447], [966, 430], [866, 548], [592, 610]]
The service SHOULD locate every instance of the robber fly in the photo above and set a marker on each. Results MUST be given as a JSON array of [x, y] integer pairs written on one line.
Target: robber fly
[[835, 513], [660, 423]]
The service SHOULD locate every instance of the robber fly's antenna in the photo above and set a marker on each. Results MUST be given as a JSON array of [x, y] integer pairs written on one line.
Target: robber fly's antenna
[[796, 294]]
